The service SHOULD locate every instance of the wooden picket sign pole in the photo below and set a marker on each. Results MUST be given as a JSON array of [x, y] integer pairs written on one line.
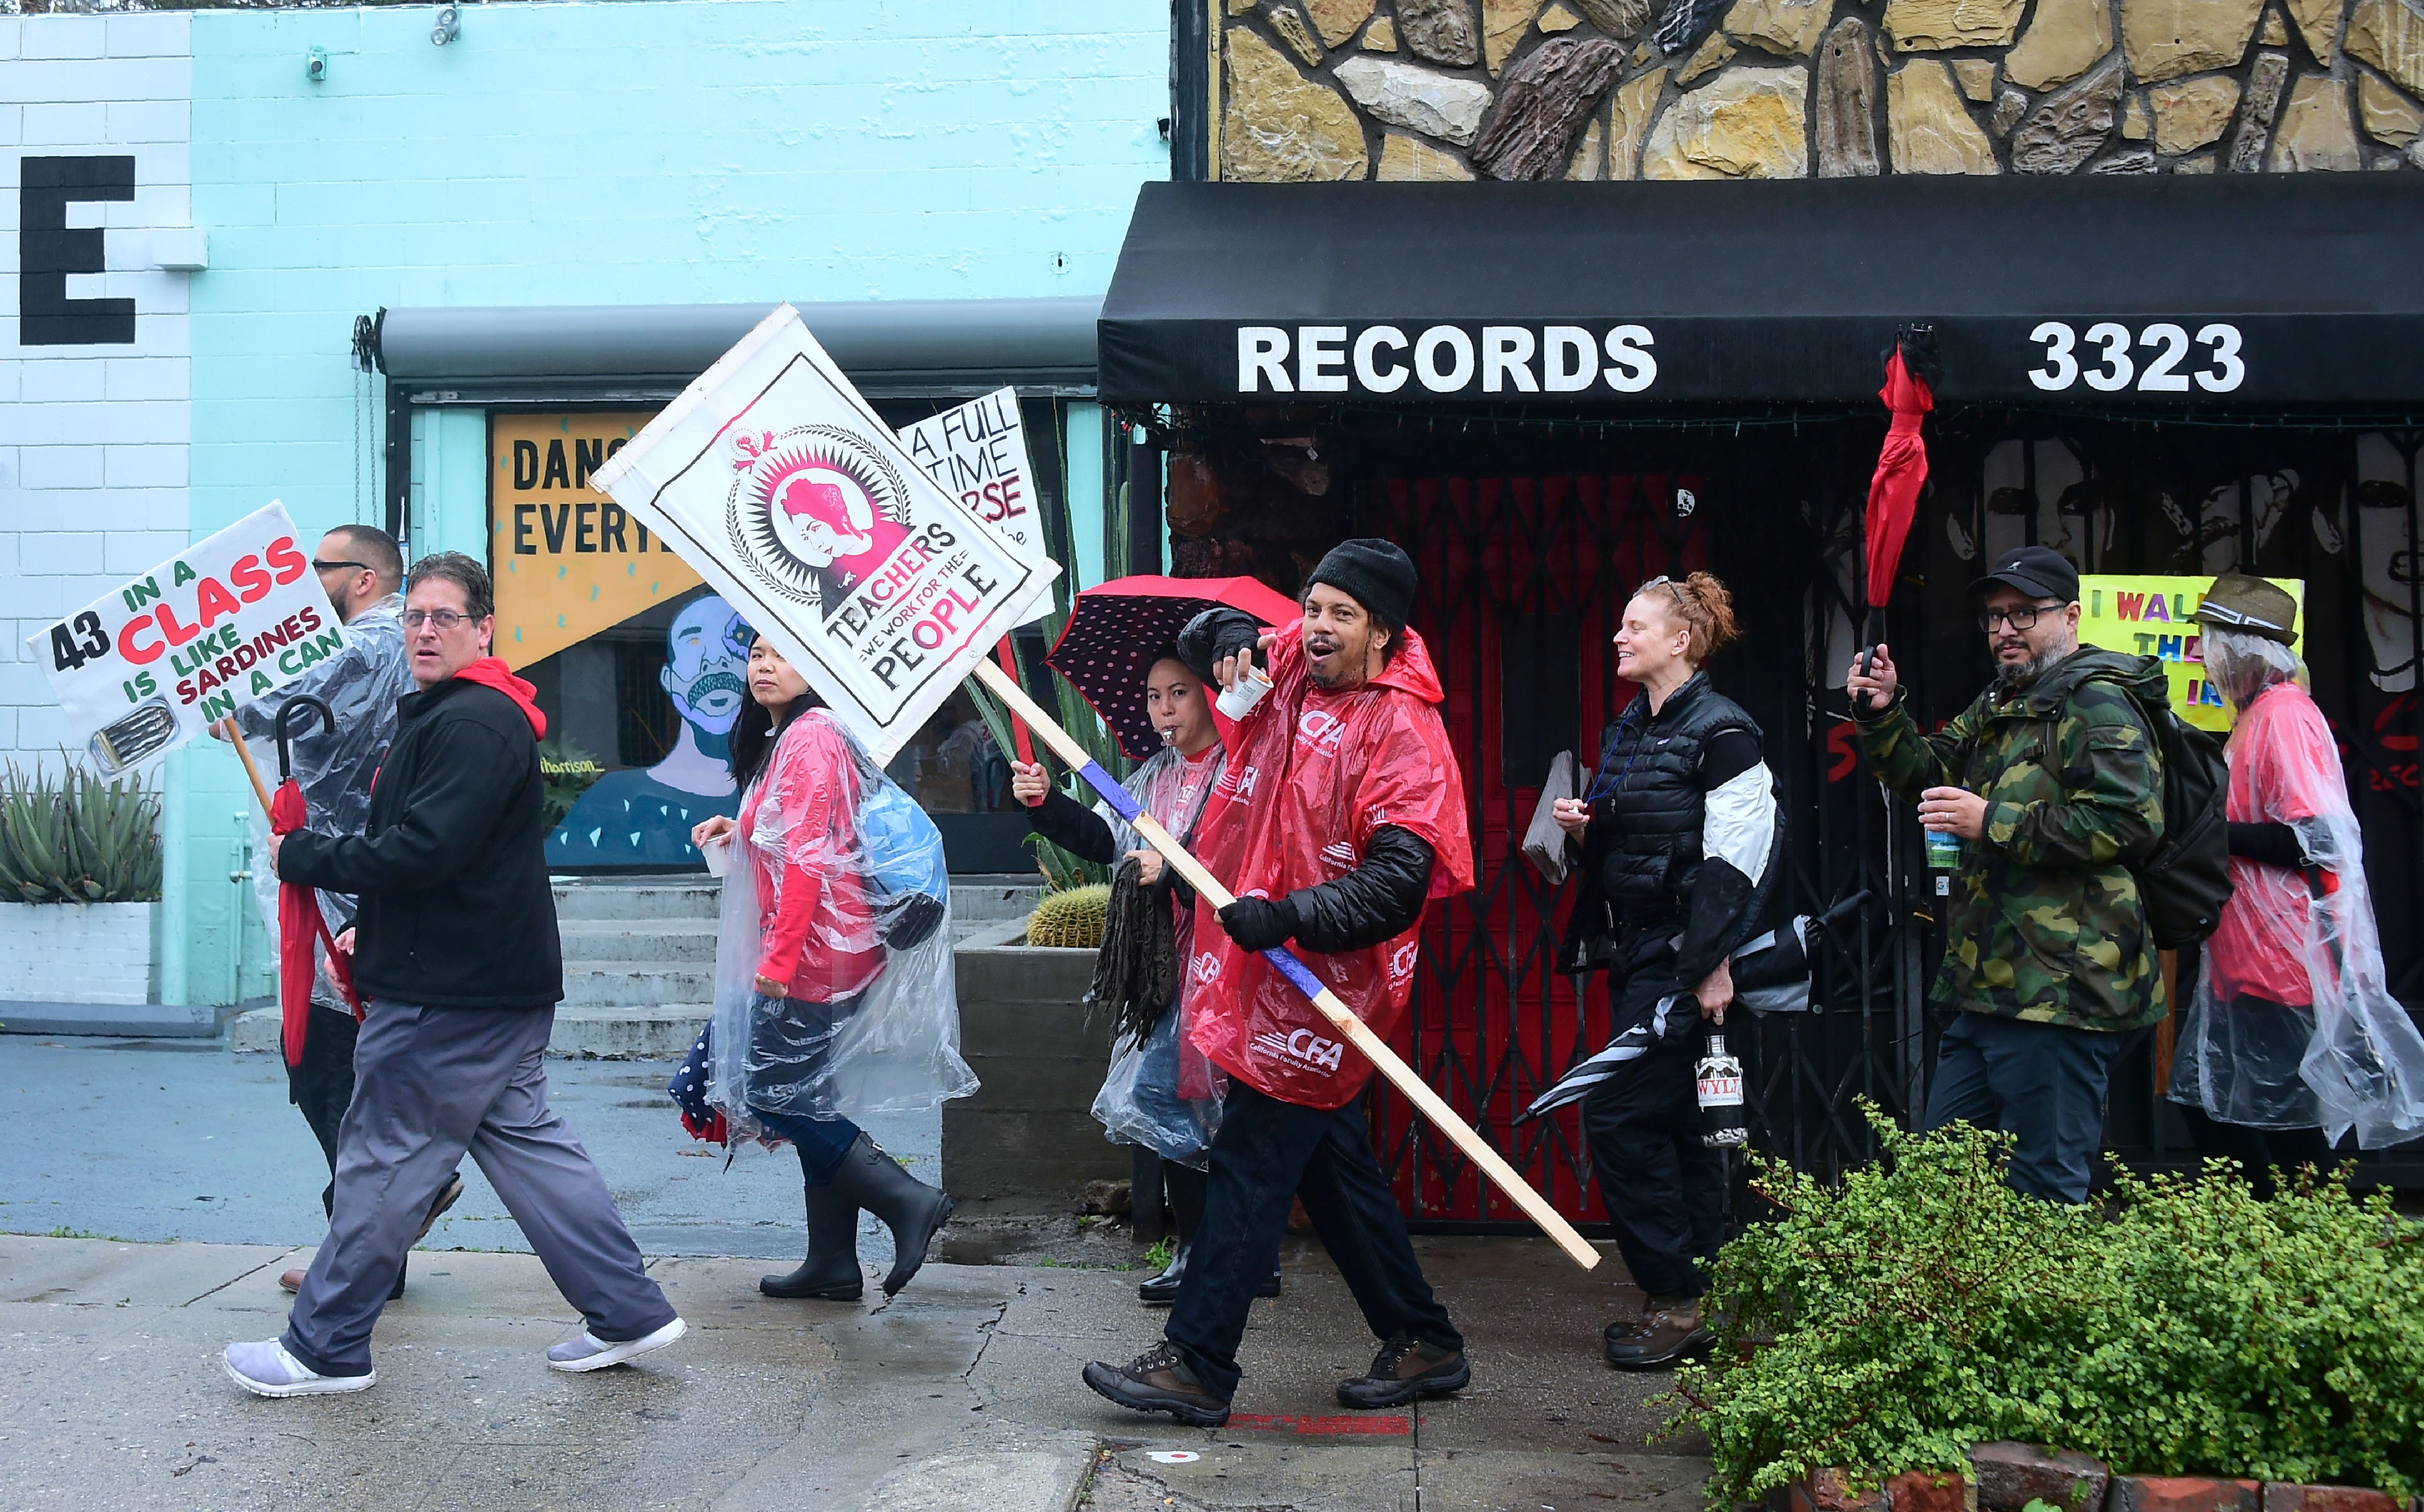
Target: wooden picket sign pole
[[1341, 1017], [244, 754]]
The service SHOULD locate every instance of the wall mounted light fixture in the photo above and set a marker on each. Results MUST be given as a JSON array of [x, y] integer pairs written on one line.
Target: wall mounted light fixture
[[315, 65], [448, 27]]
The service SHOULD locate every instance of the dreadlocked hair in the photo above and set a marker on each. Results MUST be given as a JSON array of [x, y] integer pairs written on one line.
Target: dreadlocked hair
[[1136, 974], [1705, 607]]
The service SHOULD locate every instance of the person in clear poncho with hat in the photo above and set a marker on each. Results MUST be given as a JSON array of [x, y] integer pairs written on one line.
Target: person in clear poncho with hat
[[834, 994], [1160, 1092], [2292, 1039]]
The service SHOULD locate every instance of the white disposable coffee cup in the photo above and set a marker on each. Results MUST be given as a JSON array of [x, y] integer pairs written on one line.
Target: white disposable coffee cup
[[1239, 701], [718, 855]]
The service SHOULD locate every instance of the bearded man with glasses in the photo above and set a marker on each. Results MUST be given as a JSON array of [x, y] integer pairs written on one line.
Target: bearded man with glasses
[[2051, 781], [460, 969]]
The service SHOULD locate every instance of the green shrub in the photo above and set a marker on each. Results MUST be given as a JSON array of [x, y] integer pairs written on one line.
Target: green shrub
[[70, 838], [1922, 1307]]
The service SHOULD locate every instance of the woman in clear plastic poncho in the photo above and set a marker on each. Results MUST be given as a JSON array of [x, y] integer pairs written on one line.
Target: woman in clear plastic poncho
[[2292, 1037], [1160, 1092], [833, 996]]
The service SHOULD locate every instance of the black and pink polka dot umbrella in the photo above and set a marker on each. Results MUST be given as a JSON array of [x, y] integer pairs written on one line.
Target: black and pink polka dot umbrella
[[1115, 628]]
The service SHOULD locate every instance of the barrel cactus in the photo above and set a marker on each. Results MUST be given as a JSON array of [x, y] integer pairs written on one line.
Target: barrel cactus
[[1070, 919]]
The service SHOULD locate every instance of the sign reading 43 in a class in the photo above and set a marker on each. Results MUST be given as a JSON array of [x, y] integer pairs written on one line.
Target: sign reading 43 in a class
[[2160, 357]]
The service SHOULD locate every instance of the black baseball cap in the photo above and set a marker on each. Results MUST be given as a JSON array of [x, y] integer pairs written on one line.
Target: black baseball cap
[[2039, 571]]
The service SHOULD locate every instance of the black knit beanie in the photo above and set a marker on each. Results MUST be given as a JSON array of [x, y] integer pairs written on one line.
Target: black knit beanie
[[1375, 573]]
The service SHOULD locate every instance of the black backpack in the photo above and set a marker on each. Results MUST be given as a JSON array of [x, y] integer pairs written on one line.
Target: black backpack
[[2185, 880]]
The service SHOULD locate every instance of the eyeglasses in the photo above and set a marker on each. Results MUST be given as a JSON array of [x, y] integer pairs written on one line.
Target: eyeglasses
[[441, 620], [318, 565], [1662, 580], [2020, 617]]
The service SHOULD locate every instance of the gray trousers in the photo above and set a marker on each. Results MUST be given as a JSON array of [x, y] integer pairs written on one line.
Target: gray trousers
[[429, 1085]]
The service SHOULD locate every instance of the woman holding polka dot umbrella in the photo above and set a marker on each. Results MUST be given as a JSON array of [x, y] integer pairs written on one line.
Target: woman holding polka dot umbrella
[[1129, 649]]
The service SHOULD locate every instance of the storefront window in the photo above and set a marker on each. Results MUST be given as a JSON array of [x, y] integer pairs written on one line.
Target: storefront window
[[641, 668]]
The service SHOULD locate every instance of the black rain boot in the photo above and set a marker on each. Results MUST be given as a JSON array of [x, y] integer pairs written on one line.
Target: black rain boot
[[1186, 1187], [915, 1212], [830, 1273]]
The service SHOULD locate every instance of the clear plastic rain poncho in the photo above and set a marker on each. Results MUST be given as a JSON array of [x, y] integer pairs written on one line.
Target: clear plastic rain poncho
[[360, 685], [1161, 1092], [837, 885], [2293, 1024]]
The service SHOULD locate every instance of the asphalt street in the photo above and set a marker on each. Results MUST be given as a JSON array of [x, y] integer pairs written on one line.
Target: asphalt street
[[152, 1140]]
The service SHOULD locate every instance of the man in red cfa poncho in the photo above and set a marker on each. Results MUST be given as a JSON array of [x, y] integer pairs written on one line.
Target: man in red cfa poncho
[[1339, 816]]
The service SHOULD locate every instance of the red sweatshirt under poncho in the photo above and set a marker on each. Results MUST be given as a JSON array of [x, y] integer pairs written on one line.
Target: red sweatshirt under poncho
[[816, 923]]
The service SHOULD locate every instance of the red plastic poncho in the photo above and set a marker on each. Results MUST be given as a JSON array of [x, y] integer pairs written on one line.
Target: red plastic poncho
[[302, 937], [1311, 774], [2283, 767]]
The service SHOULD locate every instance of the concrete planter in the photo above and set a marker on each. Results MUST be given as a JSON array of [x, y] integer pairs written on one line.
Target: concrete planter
[[80, 952], [1026, 1136]]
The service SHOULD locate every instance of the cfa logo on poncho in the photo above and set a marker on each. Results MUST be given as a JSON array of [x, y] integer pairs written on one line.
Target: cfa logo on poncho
[[1303, 1046], [1319, 730], [814, 512], [1206, 969]]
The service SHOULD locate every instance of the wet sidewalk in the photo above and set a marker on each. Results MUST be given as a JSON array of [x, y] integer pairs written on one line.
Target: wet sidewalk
[[961, 1393]]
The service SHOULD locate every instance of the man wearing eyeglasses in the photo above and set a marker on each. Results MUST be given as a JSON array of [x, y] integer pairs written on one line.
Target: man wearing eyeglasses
[[2051, 782], [362, 570], [460, 967]]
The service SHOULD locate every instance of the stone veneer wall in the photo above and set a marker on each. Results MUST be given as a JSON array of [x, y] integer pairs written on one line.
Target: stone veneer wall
[[1533, 89]]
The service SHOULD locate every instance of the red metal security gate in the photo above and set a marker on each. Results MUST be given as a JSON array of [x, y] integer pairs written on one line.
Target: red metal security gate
[[1523, 580]]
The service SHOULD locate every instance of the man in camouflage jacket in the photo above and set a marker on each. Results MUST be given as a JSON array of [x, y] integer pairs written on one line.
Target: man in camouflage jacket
[[2052, 782]]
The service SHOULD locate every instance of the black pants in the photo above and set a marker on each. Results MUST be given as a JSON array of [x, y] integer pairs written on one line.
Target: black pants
[[1665, 1190], [1266, 1152], [323, 1085], [2258, 1151]]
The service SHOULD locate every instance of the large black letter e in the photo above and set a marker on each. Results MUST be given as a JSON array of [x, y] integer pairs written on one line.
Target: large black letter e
[[47, 252]]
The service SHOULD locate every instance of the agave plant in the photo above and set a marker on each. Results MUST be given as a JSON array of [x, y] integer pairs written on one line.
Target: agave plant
[[70, 838]]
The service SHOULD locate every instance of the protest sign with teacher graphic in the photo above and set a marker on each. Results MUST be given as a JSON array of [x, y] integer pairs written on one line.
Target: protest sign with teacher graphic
[[143, 668], [773, 478]]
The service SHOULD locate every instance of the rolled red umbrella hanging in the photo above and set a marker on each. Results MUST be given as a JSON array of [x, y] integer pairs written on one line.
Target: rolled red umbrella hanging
[[302, 928], [1912, 372]]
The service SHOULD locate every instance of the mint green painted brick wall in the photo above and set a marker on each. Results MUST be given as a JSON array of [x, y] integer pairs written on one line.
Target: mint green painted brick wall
[[647, 151]]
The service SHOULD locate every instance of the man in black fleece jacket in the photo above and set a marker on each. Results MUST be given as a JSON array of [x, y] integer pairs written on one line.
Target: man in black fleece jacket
[[459, 962]]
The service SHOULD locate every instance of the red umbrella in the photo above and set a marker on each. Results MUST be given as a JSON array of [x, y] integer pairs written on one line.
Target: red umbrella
[[1901, 465], [1114, 628], [301, 923]]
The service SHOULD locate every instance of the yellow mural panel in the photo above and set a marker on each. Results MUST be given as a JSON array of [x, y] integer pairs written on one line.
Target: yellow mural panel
[[2148, 615], [569, 560]]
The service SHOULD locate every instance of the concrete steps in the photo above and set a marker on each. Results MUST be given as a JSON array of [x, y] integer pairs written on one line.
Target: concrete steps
[[639, 960]]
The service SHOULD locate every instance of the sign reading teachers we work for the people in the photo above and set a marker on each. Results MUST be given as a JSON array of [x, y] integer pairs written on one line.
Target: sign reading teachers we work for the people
[[777, 482], [144, 667]]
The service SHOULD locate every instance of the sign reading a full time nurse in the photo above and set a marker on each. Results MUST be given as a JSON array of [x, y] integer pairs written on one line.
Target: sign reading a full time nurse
[[146, 666]]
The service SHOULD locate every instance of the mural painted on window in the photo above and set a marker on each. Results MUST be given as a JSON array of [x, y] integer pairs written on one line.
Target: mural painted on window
[[637, 663]]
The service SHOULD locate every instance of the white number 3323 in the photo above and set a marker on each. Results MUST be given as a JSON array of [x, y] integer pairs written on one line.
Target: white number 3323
[[2103, 357]]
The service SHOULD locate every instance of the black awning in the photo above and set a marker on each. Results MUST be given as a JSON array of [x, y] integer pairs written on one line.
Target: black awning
[[2129, 292]]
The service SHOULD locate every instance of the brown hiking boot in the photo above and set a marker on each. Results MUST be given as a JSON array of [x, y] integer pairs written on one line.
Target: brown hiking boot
[[1404, 1369], [1669, 1329], [1159, 1381]]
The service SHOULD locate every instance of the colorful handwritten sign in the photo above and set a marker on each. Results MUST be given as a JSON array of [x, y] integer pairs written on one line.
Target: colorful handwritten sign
[[2152, 615], [141, 669]]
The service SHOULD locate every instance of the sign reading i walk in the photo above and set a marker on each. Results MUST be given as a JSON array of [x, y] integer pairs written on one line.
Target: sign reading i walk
[[777, 482]]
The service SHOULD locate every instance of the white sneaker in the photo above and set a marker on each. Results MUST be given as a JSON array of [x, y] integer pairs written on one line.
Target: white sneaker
[[265, 1369], [589, 1352]]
